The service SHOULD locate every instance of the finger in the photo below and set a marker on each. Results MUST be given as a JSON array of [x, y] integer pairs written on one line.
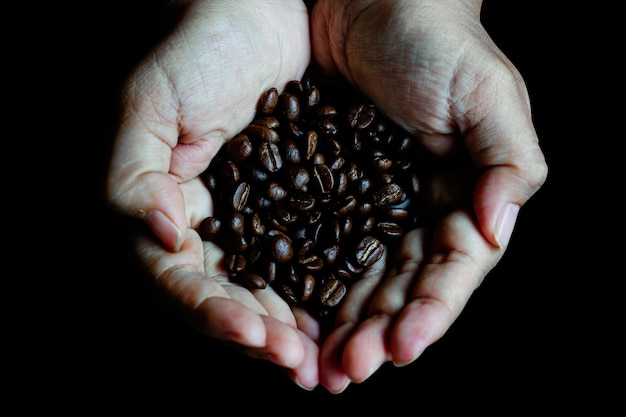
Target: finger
[[394, 291], [367, 349], [140, 182], [332, 374], [197, 295], [356, 302], [339, 356], [192, 285], [501, 138], [274, 305], [459, 261], [307, 323], [284, 345], [306, 375]]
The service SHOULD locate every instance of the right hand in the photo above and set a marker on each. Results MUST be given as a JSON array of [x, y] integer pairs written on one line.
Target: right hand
[[190, 95]]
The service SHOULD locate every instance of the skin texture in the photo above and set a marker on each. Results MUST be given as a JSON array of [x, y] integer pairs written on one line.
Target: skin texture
[[430, 66]]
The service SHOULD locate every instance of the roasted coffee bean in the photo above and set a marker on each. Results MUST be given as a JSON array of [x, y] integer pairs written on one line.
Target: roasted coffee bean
[[262, 134], [229, 172], [270, 271], [256, 224], [267, 121], [290, 106], [361, 115], [323, 178], [311, 263], [253, 280], [235, 263], [290, 151], [389, 194], [331, 253], [298, 177], [346, 205], [319, 158], [310, 144], [327, 112], [312, 97], [295, 87], [390, 229], [285, 216], [209, 228], [308, 196], [236, 222], [341, 275], [239, 148], [289, 294], [240, 196], [280, 245], [332, 292], [275, 191], [268, 101], [302, 201], [270, 157], [368, 251], [308, 287]]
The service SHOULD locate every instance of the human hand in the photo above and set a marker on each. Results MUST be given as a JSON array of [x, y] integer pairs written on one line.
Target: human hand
[[194, 92], [431, 67]]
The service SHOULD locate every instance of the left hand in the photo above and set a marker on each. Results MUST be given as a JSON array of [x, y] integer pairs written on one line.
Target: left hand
[[432, 68]]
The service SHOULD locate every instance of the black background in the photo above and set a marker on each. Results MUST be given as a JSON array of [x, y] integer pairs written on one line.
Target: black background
[[532, 337]]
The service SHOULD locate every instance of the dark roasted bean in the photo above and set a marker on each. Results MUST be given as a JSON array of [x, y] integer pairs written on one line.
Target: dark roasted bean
[[209, 228], [298, 177], [239, 148], [262, 133], [253, 280], [310, 144], [308, 287], [240, 196], [361, 115], [323, 178], [311, 263], [389, 194], [368, 251], [236, 222], [270, 157], [267, 121], [390, 229], [290, 106], [256, 224], [275, 191], [332, 292], [302, 201], [235, 263], [280, 246], [290, 151], [268, 101]]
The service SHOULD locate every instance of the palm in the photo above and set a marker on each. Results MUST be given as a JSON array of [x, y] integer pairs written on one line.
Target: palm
[[193, 93]]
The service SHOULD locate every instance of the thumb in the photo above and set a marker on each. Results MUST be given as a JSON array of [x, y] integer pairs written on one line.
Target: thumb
[[139, 183], [505, 148], [140, 186]]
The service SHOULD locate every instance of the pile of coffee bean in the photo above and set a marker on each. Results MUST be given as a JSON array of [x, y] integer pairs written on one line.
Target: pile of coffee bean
[[312, 192]]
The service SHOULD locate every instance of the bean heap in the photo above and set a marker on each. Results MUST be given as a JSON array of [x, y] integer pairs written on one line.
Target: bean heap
[[312, 192]]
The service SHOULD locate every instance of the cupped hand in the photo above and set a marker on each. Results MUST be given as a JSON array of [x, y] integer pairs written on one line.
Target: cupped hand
[[431, 66], [190, 95]]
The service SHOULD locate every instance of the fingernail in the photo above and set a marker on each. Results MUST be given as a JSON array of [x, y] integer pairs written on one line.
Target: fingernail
[[165, 230], [506, 223], [342, 388], [299, 384]]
